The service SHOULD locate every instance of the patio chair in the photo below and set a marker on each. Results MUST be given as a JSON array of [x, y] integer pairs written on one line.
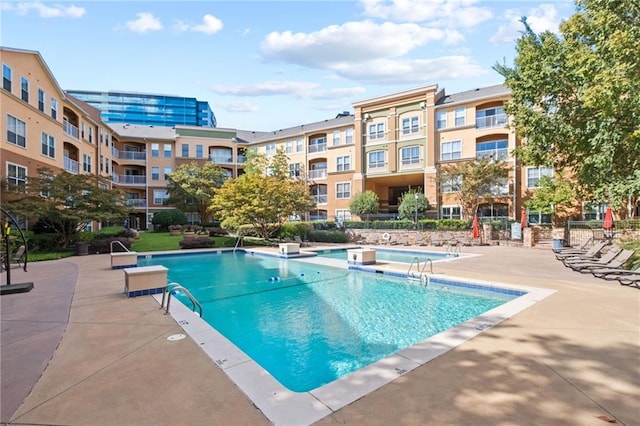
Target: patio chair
[[592, 253], [615, 261], [608, 256], [298, 240], [19, 256], [581, 249], [614, 273], [630, 279]]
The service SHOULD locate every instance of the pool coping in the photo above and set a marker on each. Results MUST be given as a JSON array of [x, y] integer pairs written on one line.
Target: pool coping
[[284, 407]]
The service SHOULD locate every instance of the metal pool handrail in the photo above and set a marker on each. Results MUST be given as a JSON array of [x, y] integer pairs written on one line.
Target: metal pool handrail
[[170, 289], [120, 243]]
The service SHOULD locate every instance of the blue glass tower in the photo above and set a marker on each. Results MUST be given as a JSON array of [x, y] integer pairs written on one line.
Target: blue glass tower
[[148, 109]]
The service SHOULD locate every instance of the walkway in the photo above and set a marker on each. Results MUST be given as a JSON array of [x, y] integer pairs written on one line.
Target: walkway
[[571, 359]]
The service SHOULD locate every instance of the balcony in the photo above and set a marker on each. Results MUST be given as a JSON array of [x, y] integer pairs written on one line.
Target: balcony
[[498, 120], [70, 129], [320, 199], [317, 147], [130, 179], [318, 174], [221, 159], [136, 203], [497, 154], [242, 159], [133, 155], [71, 166]]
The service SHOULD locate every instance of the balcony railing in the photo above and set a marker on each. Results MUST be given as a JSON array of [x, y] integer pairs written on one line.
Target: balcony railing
[[221, 159], [318, 147], [114, 152], [135, 202], [242, 159], [133, 155], [70, 129], [130, 179], [498, 120], [70, 165], [320, 199], [318, 174], [496, 154]]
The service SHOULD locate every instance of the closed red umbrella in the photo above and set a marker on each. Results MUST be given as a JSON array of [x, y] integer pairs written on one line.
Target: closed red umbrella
[[475, 231], [523, 219], [608, 219]]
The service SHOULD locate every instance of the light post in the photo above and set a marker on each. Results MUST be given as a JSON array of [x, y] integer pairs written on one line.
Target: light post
[[416, 196]]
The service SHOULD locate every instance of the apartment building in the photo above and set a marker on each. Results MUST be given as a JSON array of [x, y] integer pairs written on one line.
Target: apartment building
[[44, 127], [148, 108], [389, 144]]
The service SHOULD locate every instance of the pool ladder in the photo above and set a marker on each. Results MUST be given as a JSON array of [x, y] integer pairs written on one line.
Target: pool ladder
[[419, 274], [453, 250], [171, 289]]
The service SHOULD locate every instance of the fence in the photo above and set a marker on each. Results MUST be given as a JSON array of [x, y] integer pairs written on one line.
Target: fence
[[581, 231]]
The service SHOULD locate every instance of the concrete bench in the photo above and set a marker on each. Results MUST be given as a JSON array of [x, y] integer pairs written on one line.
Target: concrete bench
[[361, 257], [121, 260], [145, 280]]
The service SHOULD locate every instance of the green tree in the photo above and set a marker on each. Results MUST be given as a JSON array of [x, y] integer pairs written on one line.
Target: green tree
[[364, 204], [68, 201], [576, 98], [263, 197], [554, 195], [474, 182], [192, 186], [412, 199]]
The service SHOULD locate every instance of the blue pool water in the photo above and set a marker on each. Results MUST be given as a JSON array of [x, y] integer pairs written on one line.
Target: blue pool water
[[308, 324], [404, 256]]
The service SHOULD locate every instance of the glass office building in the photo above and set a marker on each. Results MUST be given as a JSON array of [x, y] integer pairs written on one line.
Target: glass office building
[[149, 109]]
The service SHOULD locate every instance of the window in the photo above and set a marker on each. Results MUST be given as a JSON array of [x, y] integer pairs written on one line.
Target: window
[[7, 79], [491, 117], [299, 145], [159, 195], [441, 119], [288, 147], [167, 171], [343, 163], [537, 218], [453, 184], [410, 155], [451, 150], [294, 169], [24, 89], [199, 151], [376, 131], [16, 131], [155, 150], [54, 108], [90, 134], [343, 190], [343, 215], [48, 145], [16, 175], [410, 125], [319, 193], [376, 159], [318, 215], [155, 173], [460, 116], [336, 138], [594, 211], [82, 130], [451, 212], [167, 150], [348, 136], [494, 150], [534, 174], [185, 150], [318, 144], [41, 97], [270, 149], [86, 163]]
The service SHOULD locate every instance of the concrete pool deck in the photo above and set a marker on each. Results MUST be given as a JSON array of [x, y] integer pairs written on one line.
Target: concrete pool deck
[[571, 359]]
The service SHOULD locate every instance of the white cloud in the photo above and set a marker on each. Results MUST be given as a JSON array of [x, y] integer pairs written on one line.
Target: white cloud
[[268, 88], [144, 23], [542, 18], [210, 25], [411, 70], [444, 13], [352, 42], [45, 11], [240, 106]]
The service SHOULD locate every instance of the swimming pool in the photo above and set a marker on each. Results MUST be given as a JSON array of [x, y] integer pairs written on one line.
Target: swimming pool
[[404, 256], [309, 324]]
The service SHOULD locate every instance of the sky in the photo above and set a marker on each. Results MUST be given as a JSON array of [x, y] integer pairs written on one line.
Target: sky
[[269, 65]]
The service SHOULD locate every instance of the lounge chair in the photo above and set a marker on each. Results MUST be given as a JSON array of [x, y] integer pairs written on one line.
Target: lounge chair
[[581, 249], [436, 240], [17, 258], [298, 240], [615, 260], [403, 240], [592, 253], [614, 273], [631, 279], [420, 239]]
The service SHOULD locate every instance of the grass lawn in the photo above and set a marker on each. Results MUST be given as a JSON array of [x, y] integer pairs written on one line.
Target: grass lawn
[[159, 241]]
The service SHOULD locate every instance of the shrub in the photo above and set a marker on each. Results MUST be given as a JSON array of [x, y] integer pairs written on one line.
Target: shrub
[[197, 242], [291, 229], [102, 244], [127, 233], [43, 243], [453, 224], [164, 218], [328, 236]]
